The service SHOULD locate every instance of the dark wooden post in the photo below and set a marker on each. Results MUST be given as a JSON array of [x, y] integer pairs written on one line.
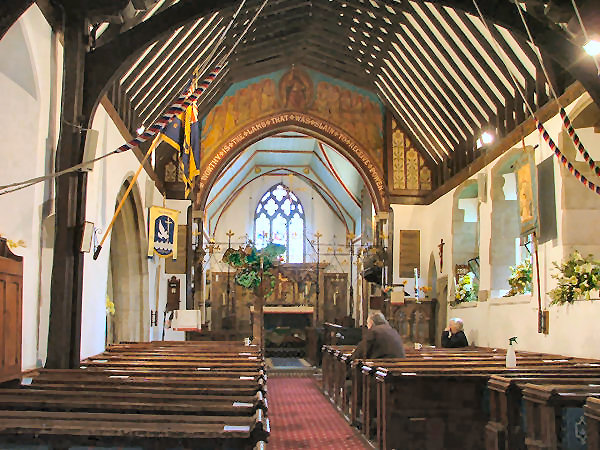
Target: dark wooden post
[[64, 333]]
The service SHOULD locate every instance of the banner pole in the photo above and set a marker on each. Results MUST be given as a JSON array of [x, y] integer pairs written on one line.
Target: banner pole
[[155, 143]]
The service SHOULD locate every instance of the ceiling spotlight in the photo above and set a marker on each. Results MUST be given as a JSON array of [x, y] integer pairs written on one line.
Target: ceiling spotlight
[[485, 139], [592, 47], [140, 130]]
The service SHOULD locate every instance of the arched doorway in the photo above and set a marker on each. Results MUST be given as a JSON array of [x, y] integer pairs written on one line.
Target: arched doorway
[[128, 273]]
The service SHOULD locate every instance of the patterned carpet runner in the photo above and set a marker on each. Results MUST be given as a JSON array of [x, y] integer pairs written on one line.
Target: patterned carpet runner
[[302, 418]]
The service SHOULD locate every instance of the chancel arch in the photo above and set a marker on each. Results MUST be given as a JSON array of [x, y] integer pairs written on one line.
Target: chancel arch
[[128, 282], [303, 123]]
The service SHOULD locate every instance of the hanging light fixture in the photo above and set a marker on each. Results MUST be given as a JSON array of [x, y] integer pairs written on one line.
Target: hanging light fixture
[[592, 47]]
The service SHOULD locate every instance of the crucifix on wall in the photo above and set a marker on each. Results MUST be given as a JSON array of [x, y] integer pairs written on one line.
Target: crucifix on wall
[[441, 253]]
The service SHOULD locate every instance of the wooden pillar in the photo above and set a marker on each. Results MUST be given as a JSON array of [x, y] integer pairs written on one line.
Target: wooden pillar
[[64, 333]]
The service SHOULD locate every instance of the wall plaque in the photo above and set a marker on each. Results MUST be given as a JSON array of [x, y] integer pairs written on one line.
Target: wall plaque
[[410, 252]]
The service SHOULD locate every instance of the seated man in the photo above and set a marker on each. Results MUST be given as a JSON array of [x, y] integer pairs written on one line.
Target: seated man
[[380, 340], [454, 336]]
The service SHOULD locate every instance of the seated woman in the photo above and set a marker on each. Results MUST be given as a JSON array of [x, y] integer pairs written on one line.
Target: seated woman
[[454, 336]]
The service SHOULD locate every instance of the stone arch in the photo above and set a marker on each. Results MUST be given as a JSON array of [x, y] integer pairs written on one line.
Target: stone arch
[[128, 272], [304, 123], [465, 223], [505, 221]]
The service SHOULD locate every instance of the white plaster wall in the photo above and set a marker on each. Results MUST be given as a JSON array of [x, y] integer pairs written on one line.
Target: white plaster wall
[[104, 183], [29, 86], [572, 328]]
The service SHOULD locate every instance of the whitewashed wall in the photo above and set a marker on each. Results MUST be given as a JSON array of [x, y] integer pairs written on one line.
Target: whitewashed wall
[[491, 323], [30, 71], [104, 184]]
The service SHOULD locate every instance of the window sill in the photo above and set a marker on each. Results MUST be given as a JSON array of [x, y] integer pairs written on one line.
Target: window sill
[[513, 300], [464, 305]]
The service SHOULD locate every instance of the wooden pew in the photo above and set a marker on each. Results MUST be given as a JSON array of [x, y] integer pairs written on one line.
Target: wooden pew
[[592, 417], [442, 407], [191, 393], [66, 429], [506, 428], [553, 413]]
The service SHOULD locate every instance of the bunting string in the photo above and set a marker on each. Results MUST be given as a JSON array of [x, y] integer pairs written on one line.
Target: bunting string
[[563, 114], [563, 159], [577, 142], [180, 105]]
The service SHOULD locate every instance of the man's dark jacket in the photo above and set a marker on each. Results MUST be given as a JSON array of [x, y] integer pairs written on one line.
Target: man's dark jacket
[[381, 341], [456, 340]]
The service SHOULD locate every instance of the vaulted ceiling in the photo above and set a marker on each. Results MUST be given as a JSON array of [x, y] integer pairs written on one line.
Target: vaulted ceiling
[[445, 73]]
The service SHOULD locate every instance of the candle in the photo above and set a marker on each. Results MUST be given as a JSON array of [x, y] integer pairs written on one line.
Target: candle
[[416, 282], [335, 298], [224, 299]]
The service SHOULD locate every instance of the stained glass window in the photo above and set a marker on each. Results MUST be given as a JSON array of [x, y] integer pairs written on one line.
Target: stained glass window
[[279, 218]]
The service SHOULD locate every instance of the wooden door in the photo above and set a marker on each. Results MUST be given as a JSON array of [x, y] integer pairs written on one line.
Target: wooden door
[[11, 295]]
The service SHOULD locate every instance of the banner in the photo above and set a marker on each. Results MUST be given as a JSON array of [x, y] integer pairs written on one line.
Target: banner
[[527, 192], [162, 235]]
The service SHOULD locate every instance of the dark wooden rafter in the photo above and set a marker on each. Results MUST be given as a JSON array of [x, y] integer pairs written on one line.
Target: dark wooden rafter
[[490, 71], [182, 70], [202, 32], [440, 95], [407, 119], [10, 11], [469, 90]]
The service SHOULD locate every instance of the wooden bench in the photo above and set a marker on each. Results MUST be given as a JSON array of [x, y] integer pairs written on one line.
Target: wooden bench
[[442, 407], [177, 396], [592, 417], [66, 429], [554, 415], [506, 428]]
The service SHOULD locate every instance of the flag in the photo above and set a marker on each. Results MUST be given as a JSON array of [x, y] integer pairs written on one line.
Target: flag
[[183, 134], [162, 235]]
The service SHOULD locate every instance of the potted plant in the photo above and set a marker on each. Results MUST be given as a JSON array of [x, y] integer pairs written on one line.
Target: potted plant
[[577, 277], [520, 279]]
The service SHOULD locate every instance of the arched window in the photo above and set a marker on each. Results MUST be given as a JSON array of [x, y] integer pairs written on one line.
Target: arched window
[[279, 218]]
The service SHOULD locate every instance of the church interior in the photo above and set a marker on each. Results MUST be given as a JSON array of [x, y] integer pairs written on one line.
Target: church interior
[[196, 197]]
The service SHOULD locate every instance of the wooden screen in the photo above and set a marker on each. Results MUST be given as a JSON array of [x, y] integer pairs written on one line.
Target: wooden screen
[[11, 293]]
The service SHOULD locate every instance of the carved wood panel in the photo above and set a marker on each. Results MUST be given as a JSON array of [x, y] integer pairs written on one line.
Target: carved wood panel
[[11, 297], [335, 297]]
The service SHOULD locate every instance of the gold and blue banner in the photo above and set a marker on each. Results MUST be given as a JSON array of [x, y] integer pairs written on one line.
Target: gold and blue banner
[[162, 232], [183, 134]]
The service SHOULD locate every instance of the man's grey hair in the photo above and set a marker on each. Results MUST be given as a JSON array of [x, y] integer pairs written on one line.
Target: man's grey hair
[[458, 322], [378, 318]]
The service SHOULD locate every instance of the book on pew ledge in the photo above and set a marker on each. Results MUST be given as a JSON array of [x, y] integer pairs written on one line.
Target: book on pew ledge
[[187, 320]]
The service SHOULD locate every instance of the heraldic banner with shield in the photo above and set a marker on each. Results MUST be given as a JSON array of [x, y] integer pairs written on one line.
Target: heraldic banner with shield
[[162, 232]]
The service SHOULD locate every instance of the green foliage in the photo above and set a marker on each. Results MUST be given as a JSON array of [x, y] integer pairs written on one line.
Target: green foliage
[[247, 262], [576, 278], [520, 279], [466, 289]]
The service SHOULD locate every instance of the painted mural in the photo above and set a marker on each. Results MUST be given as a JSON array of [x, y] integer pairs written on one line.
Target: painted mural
[[410, 171], [356, 114]]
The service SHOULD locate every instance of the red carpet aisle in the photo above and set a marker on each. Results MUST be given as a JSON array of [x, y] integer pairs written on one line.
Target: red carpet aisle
[[302, 418]]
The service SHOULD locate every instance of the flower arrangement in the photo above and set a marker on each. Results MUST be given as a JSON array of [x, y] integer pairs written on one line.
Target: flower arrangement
[[577, 277], [520, 279], [110, 306], [425, 290], [247, 261], [466, 289]]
